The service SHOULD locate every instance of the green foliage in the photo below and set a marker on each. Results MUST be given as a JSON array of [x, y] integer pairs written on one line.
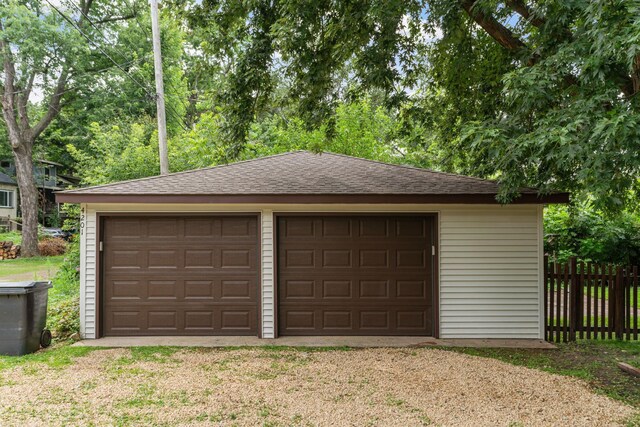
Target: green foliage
[[116, 154], [72, 220], [64, 303], [570, 120], [64, 318], [592, 235], [119, 153], [199, 147], [11, 236], [359, 129], [314, 42]]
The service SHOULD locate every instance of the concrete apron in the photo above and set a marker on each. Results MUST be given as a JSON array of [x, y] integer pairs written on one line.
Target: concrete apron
[[327, 341]]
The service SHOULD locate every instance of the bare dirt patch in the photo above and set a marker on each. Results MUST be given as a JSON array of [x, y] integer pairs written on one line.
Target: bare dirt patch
[[297, 387]]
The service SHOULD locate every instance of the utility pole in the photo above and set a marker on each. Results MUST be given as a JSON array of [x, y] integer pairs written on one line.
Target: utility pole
[[157, 62]]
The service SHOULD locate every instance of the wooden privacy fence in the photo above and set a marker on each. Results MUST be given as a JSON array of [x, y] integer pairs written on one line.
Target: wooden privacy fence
[[590, 301]]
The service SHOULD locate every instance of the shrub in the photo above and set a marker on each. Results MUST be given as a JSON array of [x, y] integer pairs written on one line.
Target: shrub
[[64, 305], [52, 247], [64, 318], [592, 235]]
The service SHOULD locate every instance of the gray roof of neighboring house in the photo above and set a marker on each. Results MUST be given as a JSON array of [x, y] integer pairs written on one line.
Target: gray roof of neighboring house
[[299, 174], [6, 179]]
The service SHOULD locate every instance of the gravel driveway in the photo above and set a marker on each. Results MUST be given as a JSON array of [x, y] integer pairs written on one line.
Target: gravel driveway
[[404, 387]]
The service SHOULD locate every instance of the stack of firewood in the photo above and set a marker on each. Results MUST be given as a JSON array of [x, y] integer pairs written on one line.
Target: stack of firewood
[[9, 251]]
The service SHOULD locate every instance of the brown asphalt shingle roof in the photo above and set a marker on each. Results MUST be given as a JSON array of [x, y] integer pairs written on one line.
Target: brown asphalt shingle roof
[[300, 173]]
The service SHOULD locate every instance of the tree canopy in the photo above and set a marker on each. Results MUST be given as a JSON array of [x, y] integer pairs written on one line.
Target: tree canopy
[[533, 93]]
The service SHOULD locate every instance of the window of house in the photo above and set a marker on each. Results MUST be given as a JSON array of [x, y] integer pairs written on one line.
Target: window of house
[[6, 198]]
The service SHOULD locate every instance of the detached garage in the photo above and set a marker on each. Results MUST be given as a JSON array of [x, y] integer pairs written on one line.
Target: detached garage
[[307, 244]]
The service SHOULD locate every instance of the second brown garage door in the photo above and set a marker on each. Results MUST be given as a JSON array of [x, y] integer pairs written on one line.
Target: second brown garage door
[[355, 275], [187, 275]]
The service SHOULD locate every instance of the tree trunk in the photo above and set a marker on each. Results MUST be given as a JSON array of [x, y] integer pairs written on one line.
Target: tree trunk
[[22, 153]]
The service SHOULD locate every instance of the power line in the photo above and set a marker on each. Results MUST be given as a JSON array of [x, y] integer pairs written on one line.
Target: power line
[[177, 115], [146, 34], [85, 73], [75, 26]]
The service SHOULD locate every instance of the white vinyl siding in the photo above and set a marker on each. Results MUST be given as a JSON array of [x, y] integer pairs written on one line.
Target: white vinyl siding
[[490, 272], [88, 271], [268, 297], [490, 263]]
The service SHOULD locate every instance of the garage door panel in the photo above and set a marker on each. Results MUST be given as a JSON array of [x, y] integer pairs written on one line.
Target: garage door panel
[[354, 275], [374, 228], [338, 289], [164, 259], [299, 289], [237, 319], [374, 289], [411, 227], [299, 228], [374, 319], [199, 258], [238, 227], [337, 319], [298, 320], [180, 275], [163, 290], [126, 229], [336, 258], [367, 320], [163, 228], [236, 290], [126, 289], [127, 259], [199, 290], [410, 289], [374, 258], [299, 258], [130, 321], [201, 321], [238, 258], [336, 227]]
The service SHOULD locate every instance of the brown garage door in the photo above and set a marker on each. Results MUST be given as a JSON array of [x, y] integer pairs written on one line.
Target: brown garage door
[[180, 275], [355, 275]]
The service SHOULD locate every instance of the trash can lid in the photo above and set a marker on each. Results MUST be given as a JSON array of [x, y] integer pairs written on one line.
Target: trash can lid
[[18, 288]]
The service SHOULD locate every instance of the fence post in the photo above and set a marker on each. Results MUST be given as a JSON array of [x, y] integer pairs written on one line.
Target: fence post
[[574, 295], [545, 293], [618, 314]]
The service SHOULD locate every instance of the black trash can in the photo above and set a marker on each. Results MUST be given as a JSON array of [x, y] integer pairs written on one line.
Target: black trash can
[[23, 317]]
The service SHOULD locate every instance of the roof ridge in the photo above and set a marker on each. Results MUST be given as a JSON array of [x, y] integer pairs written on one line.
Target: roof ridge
[[412, 167], [149, 178]]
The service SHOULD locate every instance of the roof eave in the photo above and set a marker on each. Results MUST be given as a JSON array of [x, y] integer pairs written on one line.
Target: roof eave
[[78, 197]]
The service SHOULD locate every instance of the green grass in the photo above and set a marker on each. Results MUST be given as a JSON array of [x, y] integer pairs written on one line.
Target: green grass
[[593, 361], [10, 267], [56, 357], [12, 236], [595, 292]]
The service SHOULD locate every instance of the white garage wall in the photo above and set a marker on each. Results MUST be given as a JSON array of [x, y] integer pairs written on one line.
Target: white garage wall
[[490, 264], [491, 272]]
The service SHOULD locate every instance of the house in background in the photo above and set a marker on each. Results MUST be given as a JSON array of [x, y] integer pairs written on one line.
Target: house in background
[[8, 201], [307, 244], [49, 178]]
